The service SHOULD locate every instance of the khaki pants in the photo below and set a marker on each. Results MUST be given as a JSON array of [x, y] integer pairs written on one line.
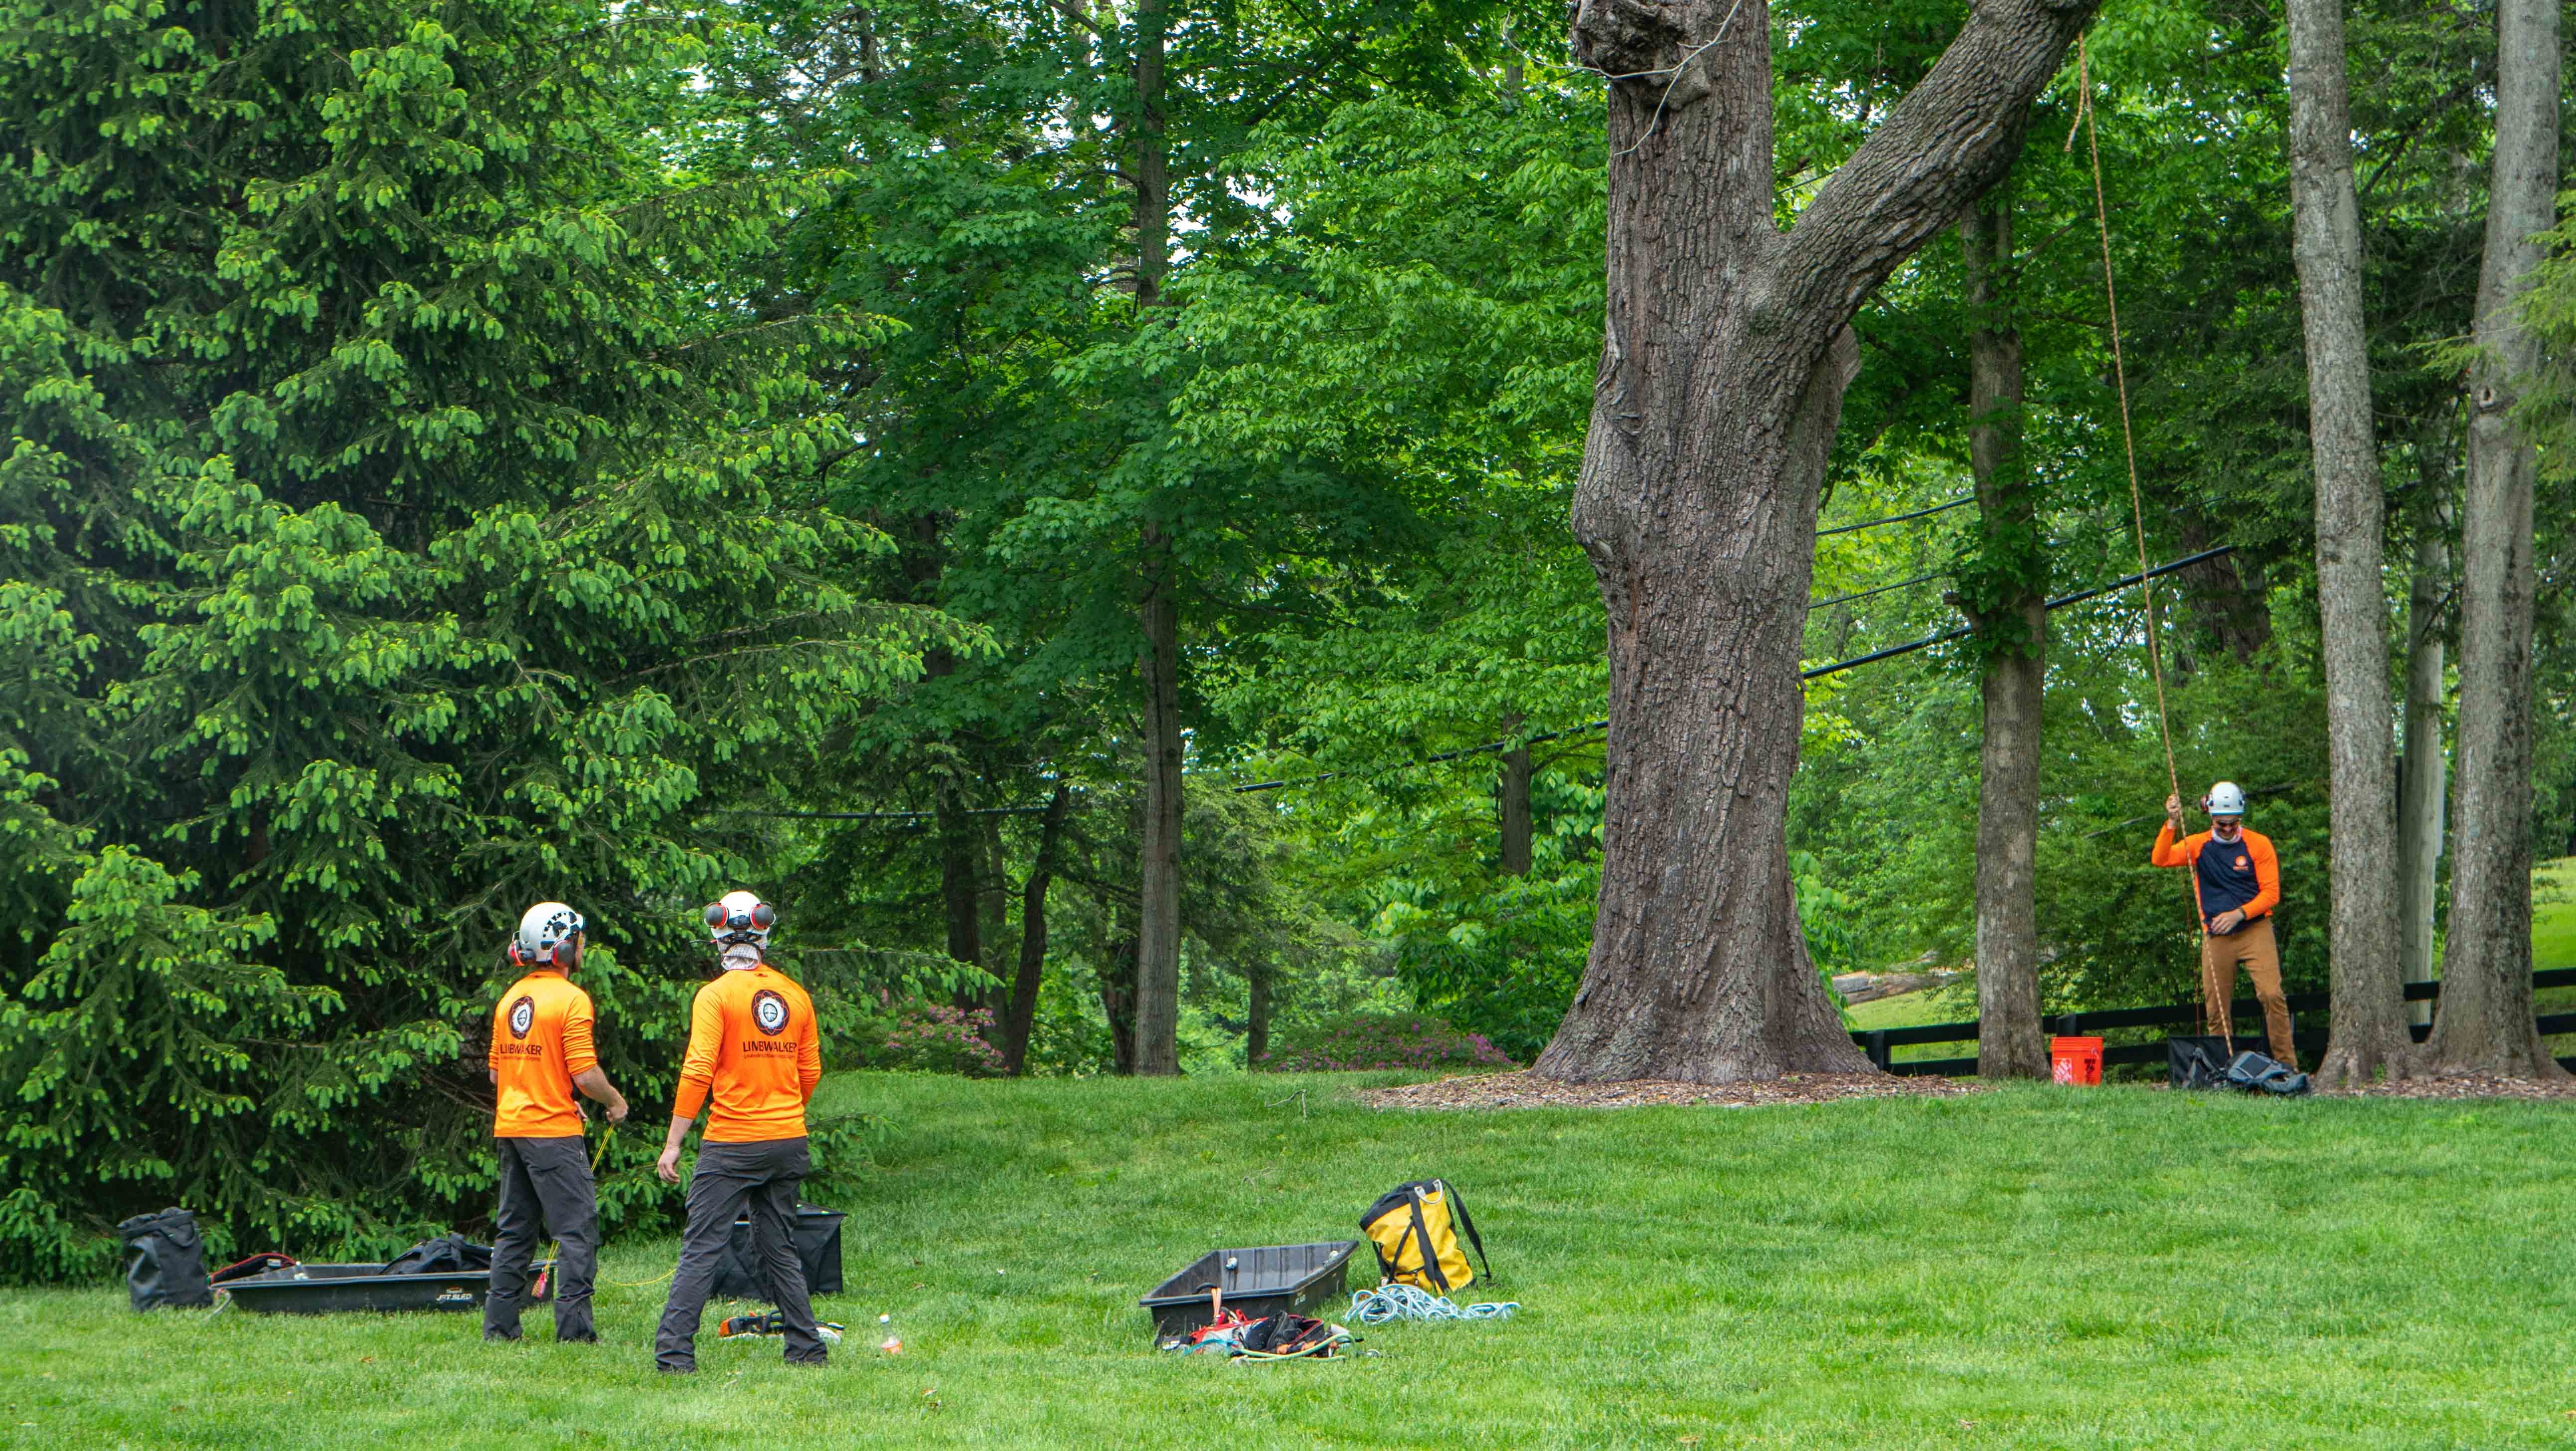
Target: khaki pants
[[2253, 947]]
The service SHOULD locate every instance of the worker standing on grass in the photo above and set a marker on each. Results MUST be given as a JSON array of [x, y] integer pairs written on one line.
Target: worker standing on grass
[[755, 1049], [2236, 878], [541, 1052]]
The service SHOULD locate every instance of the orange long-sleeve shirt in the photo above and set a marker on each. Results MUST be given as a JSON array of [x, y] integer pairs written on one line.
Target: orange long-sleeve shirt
[[754, 1047], [541, 1038], [2251, 851]]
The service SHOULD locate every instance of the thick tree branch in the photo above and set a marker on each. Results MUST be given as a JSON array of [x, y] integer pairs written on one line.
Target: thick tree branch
[[1953, 136]]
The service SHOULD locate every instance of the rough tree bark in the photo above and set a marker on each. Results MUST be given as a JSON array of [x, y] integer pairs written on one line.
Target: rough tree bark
[[1022, 1014], [1514, 793], [960, 874], [1158, 909], [2484, 1021], [2009, 1043], [2424, 766], [1259, 978], [1158, 950], [2225, 594], [993, 897], [1726, 353], [2369, 1021], [1118, 996]]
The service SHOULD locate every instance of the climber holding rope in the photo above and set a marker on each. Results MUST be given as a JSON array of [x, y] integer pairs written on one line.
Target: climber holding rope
[[2236, 878]]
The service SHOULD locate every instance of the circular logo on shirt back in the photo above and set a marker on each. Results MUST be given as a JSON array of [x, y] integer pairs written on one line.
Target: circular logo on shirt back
[[769, 1010], [523, 1016]]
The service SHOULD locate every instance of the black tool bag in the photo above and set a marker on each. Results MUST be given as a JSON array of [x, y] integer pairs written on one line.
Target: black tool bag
[[446, 1255], [817, 1236], [165, 1261], [2254, 1073], [2197, 1062]]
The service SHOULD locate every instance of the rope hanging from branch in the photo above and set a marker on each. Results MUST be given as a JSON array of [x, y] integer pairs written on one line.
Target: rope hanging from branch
[[2120, 377], [2210, 1006]]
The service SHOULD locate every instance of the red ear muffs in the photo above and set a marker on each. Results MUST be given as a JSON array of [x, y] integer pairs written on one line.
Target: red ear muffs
[[515, 959], [715, 914], [763, 916]]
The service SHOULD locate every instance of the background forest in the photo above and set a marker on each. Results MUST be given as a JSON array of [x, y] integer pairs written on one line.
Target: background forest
[[1003, 479]]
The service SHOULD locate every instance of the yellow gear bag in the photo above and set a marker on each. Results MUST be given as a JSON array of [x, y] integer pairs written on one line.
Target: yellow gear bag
[[1415, 1228]]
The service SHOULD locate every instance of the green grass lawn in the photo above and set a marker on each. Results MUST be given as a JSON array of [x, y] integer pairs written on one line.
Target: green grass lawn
[[2553, 914], [1908, 1010], [2033, 1267]]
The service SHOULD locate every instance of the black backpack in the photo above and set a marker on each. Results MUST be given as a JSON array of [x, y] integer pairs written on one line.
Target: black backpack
[[165, 1261]]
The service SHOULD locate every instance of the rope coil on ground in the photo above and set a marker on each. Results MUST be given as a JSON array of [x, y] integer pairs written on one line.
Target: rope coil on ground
[[1406, 1302]]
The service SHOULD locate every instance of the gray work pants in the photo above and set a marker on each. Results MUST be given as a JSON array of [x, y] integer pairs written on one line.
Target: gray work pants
[[548, 1180], [761, 1178]]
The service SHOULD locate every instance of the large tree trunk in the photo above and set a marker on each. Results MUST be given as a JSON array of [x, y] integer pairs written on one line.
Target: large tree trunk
[[2369, 1023], [2424, 768], [1726, 354], [2485, 1020], [2009, 1043], [1158, 615], [1021, 1015]]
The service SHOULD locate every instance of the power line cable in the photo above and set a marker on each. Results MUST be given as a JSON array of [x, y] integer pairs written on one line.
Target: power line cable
[[2061, 601], [1840, 665], [1516, 742], [1895, 518], [887, 815], [1815, 605]]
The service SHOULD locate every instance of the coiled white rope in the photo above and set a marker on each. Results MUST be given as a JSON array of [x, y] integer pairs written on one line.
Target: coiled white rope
[[1409, 1302]]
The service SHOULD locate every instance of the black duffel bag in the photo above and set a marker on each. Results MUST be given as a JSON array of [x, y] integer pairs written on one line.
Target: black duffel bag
[[165, 1261], [448, 1254], [817, 1233]]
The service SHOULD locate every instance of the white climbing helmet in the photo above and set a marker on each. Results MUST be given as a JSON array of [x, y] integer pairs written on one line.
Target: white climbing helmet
[[543, 928], [739, 918], [2224, 799]]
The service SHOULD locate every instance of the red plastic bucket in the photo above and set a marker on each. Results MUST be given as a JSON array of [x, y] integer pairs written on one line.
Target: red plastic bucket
[[2075, 1060]]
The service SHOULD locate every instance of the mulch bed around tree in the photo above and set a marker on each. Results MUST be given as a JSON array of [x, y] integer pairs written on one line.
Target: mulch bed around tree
[[1528, 1090], [2460, 1085]]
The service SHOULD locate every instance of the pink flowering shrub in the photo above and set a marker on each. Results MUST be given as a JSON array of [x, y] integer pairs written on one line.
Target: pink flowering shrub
[[1383, 1040], [933, 1038]]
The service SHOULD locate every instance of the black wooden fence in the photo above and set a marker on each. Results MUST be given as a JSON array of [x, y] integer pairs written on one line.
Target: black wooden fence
[[1882, 1043]]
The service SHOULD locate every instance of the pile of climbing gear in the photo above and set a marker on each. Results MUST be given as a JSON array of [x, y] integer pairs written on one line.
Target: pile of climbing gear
[[2210, 1062], [1417, 1230], [1284, 1336], [1388, 1303]]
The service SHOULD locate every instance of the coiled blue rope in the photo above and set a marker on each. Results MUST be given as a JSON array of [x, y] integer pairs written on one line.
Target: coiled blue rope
[[1409, 1302]]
